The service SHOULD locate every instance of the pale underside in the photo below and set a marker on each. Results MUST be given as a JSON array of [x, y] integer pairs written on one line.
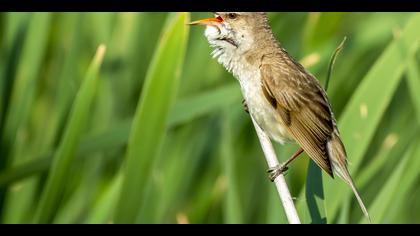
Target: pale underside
[[261, 110]]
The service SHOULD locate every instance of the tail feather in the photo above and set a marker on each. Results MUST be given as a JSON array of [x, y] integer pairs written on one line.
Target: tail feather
[[344, 174], [359, 199], [337, 156]]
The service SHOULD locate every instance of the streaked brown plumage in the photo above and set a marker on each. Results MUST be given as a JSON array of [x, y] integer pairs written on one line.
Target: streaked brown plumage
[[286, 101], [301, 104]]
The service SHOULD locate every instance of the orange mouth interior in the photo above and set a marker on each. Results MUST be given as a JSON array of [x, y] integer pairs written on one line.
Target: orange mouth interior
[[208, 21]]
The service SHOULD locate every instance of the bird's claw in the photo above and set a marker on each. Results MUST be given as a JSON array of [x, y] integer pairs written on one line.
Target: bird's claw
[[245, 106], [274, 172]]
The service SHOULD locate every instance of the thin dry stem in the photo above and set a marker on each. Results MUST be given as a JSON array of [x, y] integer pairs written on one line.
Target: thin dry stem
[[280, 182]]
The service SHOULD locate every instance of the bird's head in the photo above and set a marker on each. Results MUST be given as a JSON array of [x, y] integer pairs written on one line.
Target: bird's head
[[235, 31]]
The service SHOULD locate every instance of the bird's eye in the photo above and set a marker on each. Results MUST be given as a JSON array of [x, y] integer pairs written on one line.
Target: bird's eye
[[232, 16]]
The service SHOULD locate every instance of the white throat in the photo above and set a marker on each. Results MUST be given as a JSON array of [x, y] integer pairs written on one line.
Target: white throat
[[230, 56]]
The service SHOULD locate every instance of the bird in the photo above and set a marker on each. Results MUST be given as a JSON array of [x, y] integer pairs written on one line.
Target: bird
[[285, 100]]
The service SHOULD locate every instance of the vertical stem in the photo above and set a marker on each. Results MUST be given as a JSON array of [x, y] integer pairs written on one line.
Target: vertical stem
[[280, 182]]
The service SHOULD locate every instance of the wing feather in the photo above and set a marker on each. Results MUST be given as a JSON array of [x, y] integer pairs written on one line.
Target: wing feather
[[302, 105]]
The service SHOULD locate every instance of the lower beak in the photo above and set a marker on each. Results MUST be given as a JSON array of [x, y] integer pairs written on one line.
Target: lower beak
[[209, 21]]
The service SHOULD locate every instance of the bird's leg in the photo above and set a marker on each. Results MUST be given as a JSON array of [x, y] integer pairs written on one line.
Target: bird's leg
[[278, 170], [245, 106]]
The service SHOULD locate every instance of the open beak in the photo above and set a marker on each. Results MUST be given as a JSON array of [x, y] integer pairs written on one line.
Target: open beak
[[210, 21]]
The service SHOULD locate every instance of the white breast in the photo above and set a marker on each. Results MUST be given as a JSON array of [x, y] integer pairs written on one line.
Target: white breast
[[258, 106]]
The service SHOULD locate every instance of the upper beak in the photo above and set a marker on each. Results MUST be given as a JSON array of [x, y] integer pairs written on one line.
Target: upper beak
[[209, 21]]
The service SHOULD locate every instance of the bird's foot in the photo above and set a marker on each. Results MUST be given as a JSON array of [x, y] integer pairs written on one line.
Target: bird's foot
[[274, 172], [245, 106]]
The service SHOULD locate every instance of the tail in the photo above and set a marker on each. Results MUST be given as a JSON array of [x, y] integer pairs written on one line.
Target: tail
[[344, 174], [337, 156]]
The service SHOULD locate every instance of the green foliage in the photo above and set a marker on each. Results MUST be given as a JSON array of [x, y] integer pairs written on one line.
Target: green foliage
[[158, 135], [150, 119], [64, 156]]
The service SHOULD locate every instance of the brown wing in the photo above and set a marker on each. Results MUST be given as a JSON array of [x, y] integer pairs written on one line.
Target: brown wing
[[301, 104]]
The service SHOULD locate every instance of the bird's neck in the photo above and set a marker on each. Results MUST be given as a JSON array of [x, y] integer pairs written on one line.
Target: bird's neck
[[239, 61]]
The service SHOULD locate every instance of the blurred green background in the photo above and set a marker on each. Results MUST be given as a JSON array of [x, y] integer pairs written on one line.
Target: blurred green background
[[152, 129]]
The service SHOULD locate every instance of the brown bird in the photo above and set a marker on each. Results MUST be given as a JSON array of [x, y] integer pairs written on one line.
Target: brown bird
[[285, 100]]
